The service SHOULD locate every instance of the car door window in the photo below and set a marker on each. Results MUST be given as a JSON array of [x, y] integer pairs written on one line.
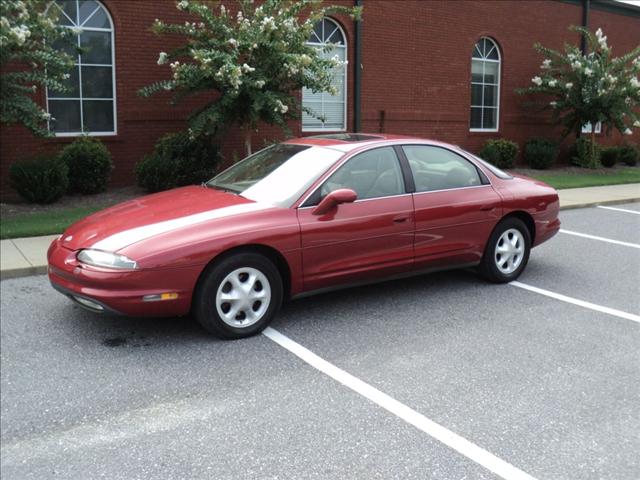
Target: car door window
[[436, 168], [372, 174]]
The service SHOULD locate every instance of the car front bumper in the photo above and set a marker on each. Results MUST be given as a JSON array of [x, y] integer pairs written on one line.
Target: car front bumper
[[103, 290]]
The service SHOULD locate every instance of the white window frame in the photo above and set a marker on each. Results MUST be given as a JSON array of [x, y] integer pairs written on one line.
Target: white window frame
[[586, 128], [80, 65], [346, 84], [497, 107]]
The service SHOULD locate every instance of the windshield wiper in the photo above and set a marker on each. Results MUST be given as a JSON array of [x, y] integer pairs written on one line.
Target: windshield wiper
[[218, 187]]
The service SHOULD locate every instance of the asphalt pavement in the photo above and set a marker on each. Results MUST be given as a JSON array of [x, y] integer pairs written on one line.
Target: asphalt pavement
[[548, 386]]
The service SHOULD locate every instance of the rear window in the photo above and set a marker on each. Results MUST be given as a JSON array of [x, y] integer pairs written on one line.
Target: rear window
[[492, 168]]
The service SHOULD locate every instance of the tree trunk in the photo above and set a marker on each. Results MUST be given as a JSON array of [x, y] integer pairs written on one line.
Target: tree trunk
[[592, 161], [247, 140]]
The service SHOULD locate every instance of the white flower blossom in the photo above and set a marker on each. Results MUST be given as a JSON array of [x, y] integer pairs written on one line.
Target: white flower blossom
[[247, 68], [182, 4], [223, 10], [576, 65], [636, 123], [240, 16], [628, 132], [537, 81], [635, 83], [260, 83], [546, 64], [77, 30], [162, 59], [20, 33], [281, 107], [588, 72], [233, 42], [568, 85], [553, 104], [552, 83]]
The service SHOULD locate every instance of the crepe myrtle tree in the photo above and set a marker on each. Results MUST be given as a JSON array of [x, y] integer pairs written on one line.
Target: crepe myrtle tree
[[256, 59], [29, 60], [591, 87]]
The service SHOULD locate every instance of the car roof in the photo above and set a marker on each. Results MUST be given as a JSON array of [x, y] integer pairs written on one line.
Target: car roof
[[347, 142]]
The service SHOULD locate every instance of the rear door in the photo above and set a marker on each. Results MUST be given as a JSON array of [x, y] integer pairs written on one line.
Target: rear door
[[456, 208], [369, 238]]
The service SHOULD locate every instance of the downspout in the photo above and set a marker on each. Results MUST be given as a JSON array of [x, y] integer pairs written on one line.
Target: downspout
[[357, 73], [586, 5]]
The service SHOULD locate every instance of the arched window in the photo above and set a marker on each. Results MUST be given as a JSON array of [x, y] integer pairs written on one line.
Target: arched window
[[485, 86], [332, 107], [88, 107]]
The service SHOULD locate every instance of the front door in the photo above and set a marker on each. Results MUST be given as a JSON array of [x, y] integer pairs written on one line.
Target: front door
[[363, 240]]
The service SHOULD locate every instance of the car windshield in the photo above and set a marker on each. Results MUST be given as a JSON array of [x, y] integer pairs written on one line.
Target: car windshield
[[277, 175]]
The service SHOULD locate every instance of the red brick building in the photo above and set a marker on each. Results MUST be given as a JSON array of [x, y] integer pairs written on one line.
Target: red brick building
[[420, 74]]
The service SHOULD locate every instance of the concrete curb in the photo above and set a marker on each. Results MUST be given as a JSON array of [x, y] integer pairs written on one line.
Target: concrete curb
[[595, 204], [22, 272]]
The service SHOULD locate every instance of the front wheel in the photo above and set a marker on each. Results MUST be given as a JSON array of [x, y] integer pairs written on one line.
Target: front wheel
[[238, 296], [507, 252]]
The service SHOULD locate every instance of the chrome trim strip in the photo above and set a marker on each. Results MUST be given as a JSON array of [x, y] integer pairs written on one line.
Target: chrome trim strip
[[363, 200], [451, 189]]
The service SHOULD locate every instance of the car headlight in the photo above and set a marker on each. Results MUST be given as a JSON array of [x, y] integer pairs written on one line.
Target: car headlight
[[99, 258]]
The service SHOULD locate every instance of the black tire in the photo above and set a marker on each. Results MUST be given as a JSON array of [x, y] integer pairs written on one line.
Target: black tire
[[205, 305], [489, 266]]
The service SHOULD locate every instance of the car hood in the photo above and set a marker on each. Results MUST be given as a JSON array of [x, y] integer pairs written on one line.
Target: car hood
[[130, 222]]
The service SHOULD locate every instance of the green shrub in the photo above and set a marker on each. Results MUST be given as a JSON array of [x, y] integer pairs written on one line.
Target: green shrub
[[175, 161], [501, 153], [584, 154], [40, 180], [629, 154], [540, 153], [89, 164], [609, 156]]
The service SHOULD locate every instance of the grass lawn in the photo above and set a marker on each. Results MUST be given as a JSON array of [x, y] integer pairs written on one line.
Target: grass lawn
[[588, 179], [43, 223]]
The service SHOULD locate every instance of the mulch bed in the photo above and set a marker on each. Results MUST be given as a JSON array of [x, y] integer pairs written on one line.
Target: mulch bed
[[104, 199]]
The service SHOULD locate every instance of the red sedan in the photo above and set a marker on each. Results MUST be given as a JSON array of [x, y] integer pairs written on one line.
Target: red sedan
[[302, 216]]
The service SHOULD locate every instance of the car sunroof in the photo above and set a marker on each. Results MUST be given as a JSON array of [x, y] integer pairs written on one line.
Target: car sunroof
[[347, 137]]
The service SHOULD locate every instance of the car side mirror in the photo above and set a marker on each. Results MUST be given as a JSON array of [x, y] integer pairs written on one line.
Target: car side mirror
[[342, 195]]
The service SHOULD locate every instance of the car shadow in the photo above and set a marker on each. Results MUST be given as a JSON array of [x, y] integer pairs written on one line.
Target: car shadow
[[122, 332]]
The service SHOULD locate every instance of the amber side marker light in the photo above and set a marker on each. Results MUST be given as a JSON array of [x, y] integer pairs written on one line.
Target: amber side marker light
[[160, 296]]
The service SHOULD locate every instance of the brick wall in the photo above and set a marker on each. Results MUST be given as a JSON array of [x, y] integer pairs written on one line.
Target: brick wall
[[416, 67]]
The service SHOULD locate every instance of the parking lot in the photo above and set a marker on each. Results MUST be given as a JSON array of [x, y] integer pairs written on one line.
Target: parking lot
[[441, 376]]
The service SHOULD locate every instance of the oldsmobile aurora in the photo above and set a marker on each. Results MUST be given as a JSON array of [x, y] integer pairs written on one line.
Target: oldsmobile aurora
[[302, 216]]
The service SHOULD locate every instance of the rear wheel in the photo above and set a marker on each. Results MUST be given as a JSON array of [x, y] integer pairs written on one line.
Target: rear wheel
[[507, 252], [238, 296]]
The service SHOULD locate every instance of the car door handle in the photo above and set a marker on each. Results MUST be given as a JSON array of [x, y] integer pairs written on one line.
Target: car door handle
[[400, 219]]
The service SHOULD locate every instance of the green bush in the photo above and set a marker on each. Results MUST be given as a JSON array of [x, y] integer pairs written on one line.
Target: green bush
[[629, 154], [583, 154], [540, 153], [40, 180], [609, 156], [501, 153], [175, 161], [89, 164]]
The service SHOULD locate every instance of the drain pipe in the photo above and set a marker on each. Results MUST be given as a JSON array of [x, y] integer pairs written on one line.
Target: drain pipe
[[357, 73], [586, 6]]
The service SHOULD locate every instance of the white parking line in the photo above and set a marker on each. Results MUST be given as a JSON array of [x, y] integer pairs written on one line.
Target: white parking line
[[619, 209], [440, 433], [602, 239], [581, 303]]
